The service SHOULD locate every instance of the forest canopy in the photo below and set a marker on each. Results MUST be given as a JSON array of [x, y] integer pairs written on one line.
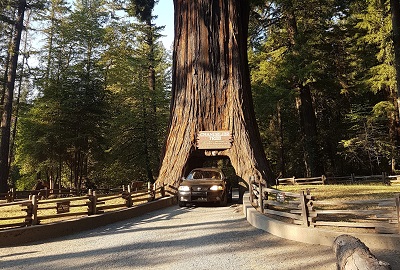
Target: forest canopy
[[92, 89]]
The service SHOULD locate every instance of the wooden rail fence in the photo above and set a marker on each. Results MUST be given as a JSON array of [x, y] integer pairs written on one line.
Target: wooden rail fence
[[37, 210], [13, 195], [380, 216], [351, 179]]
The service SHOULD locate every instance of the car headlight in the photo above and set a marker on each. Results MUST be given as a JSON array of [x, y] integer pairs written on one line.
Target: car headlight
[[215, 187], [184, 188]]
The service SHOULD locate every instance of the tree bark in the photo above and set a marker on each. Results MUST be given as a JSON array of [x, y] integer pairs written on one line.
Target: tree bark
[[152, 91], [211, 89], [308, 123], [281, 140], [352, 254], [395, 8], [8, 99]]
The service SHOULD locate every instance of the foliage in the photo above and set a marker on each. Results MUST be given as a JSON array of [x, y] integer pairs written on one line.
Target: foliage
[[87, 122], [89, 111], [343, 52]]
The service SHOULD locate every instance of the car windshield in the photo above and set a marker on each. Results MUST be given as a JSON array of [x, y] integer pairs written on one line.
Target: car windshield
[[204, 174]]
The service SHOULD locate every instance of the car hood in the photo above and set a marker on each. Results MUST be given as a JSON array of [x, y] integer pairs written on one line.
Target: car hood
[[201, 182]]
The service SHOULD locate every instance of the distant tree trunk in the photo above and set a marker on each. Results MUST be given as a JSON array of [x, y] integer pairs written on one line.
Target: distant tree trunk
[[281, 140], [17, 102], [152, 90], [211, 89], [143, 11], [7, 66], [395, 8], [308, 121], [394, 129], [8, 99]]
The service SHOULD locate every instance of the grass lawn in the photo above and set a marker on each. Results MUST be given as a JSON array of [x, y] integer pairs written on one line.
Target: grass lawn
[[346, 192]]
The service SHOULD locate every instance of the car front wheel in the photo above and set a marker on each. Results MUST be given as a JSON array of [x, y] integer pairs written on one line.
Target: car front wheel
[[181, 204], [224, 201]]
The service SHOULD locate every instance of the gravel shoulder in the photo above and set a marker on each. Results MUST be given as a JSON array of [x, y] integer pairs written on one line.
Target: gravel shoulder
[[174, 238]]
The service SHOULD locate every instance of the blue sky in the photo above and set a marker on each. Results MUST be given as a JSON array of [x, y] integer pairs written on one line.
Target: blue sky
[[165, 12]]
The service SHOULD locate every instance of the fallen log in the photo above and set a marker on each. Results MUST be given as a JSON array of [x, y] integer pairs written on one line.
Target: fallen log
[[352, 254]]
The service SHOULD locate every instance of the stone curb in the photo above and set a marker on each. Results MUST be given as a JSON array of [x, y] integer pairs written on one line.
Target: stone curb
[[24, 235], [313, 235]]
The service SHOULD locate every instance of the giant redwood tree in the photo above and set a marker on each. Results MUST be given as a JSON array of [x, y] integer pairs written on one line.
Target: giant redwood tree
[[211, 89]]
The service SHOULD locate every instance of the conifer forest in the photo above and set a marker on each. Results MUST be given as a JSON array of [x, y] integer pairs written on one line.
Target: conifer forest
[[86, 88]]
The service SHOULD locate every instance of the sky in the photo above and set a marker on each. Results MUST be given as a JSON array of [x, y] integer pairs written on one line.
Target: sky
[[165, 12]]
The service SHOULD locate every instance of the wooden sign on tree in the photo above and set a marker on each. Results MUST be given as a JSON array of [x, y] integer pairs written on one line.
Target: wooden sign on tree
[[214, 140]]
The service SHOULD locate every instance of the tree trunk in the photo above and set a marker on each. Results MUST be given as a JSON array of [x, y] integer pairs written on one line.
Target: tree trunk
[[8, 99], [211, 89], [394, 129], [281, 140], [151, 80], [308, 121], [352, 254], [395, 8], [17, 102], [5, 76]]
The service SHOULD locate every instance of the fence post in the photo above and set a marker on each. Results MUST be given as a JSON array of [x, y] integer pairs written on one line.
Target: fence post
[[304, 208], [251, 188], [92, 204], [10, 195], [398, 210], [384, 177], [293, 180], [352, 178], [260, 197], [127, 196], [28, 218], [152, 192], [35, 220], [323, 178], [163, 191]]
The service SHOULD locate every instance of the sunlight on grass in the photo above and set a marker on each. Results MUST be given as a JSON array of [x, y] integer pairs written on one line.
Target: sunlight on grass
[[346, 192]]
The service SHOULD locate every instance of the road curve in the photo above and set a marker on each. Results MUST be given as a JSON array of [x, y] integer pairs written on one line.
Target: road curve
[[172, 238]]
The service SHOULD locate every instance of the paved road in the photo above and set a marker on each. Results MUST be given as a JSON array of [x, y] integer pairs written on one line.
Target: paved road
[[173, 238]]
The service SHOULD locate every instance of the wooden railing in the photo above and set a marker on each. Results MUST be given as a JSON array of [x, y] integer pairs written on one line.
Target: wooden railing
[[301, 181], [380, 216], [38, 210], [45, 193], [351, 179]]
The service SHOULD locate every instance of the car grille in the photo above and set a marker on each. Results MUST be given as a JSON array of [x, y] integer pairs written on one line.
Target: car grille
[[199, 188]]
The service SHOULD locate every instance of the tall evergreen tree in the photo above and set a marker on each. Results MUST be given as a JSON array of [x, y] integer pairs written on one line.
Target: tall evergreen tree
[[9, 97], [380, 77], [293, 57], [72, 101], [138, 82]]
